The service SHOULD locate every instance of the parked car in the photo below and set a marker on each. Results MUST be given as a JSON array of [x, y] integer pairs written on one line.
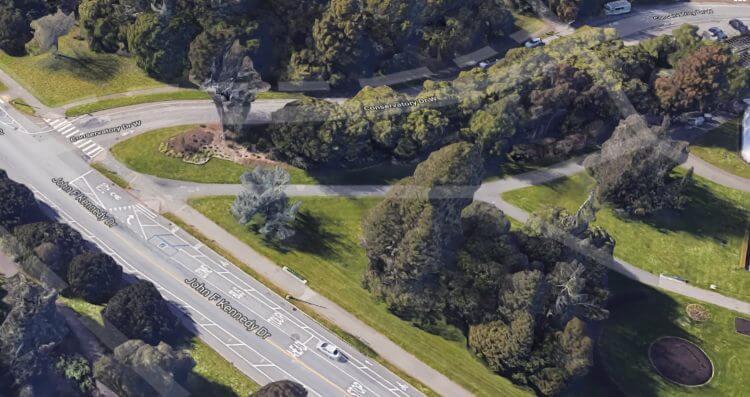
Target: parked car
[[533, 42], [739, 26], [331, 351], [717, 33]]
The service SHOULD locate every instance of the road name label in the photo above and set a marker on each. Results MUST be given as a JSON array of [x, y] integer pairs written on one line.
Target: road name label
[[100, 214], [111, 130], [250, 324], [681, 14]]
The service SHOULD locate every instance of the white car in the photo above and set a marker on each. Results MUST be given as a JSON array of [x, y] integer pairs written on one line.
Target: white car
[[533, 42], [331, 351]]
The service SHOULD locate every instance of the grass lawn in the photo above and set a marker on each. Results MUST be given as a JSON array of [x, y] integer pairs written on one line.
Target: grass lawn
[[645, 314], [111, 175], [701, 243], [141, 153], [720, 147], [215, 376], [77, 73], [326, 251], [23, 107]]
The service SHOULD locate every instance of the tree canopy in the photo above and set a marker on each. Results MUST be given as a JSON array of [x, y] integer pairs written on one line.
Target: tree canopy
[[140, 312]]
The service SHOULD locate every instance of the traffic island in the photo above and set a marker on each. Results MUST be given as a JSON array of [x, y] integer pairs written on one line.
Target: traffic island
[[680, 361]]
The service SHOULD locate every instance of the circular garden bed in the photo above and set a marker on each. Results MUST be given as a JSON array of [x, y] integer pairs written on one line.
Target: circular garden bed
[[680, 361]]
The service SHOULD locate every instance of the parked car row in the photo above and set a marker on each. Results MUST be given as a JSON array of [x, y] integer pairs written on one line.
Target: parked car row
[[718, 34]]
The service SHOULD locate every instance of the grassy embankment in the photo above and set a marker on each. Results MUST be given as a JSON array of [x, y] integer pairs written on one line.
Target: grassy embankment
[[214, 375], [720, 147], [335, 269], [700, 243], [76, 73], [327, 252]]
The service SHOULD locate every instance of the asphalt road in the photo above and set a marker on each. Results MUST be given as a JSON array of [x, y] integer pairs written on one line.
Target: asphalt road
[[145, 244]]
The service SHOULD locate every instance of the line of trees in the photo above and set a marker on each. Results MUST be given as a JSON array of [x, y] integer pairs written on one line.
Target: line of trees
[[522, 298], [543, 104], [54, 255]]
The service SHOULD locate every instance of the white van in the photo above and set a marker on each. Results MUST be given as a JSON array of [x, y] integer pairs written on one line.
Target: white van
[[617, 7]]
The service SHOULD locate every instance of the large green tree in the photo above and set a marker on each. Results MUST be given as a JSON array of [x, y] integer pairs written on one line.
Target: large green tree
[[140, 312], [633, 168], [161, 45], [411, 237], [94, 276]]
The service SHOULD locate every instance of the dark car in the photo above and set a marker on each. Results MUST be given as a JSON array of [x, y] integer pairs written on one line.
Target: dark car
[[739, 26], [717, 33]]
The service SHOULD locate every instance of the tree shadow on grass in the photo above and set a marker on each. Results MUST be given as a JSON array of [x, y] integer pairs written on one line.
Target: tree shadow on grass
[[85, 67], [310, 236], [725, 137], [197, 384], [705, 215], [639, 315]]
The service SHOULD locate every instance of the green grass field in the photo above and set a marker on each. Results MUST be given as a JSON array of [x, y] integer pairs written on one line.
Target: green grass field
[[23, 107], [720, 147], [326, 251], [701, 243], [76, 74], [141, 153], [215, 376], [649, 314]]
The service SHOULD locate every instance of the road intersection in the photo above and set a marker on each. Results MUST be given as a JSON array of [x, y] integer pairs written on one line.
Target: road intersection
[[150, 247]]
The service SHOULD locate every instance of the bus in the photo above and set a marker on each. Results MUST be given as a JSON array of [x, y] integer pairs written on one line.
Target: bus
[[617, 7]]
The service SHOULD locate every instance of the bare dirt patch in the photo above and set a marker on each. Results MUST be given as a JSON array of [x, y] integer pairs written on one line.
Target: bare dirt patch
[[200, 144], [680, 361], [697, 312]]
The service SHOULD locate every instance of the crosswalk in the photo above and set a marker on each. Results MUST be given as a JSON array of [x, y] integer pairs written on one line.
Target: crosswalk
[[68, 130]]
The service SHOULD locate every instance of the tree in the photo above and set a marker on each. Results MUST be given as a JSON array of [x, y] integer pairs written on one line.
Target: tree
[[233, 84], [424, 130], [633, 168], [487, 254], [504, 347], [411, 236], [76, 370], [49, 29], [31, 330], [18, 205], [94, 276], [103, 23], [54, 243], [161, 45], [140, 312], [282, 388], [15, 30], [697, 79], [264, 196], [139, 369]]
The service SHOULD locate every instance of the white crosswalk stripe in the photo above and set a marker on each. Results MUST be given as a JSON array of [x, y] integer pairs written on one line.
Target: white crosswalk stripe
[[68, 130]]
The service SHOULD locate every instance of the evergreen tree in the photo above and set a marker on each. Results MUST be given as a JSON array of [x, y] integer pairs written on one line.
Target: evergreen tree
[[411, 237]]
